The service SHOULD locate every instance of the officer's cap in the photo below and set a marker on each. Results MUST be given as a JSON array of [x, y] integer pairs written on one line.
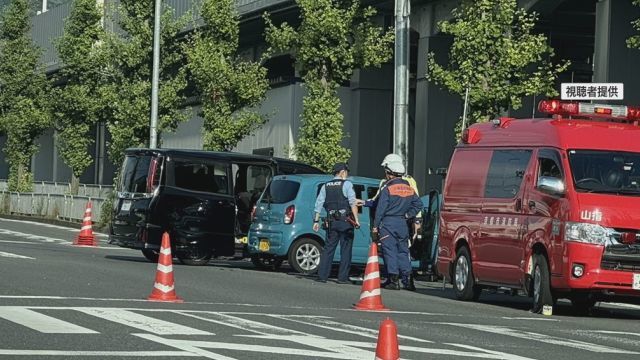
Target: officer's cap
[[339, 167], [396, 168]]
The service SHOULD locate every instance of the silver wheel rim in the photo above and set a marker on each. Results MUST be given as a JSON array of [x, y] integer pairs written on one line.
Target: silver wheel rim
[[308, 257], [537, 284], [462, 273]]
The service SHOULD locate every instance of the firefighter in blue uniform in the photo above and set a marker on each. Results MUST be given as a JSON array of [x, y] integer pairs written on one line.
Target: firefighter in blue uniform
[[398, 202], [338, 198]]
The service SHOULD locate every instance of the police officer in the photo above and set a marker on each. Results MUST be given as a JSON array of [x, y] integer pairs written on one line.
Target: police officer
[[338, 198], [397, 204]]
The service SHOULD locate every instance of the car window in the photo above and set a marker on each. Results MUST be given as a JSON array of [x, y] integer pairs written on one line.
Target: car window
[[359, 190], [196, 176], [135, 170], [280, 192], [371, 192], [506, 172], [549, 164], [258, 177]]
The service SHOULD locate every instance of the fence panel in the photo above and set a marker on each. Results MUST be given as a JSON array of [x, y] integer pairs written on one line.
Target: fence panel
[[53, 206]]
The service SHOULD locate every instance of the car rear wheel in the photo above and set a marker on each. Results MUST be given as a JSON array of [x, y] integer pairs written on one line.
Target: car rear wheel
[[266, 263], [196, 257], [304, 255], [542, 293], [464, 282], [151, 255]]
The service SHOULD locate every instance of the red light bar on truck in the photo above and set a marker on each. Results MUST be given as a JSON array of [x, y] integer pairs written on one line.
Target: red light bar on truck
[[573, 108]]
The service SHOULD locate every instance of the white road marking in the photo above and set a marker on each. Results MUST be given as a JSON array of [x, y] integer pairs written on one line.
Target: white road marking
[[63, 353], [34, 237], [40, 322], [500, 354], [15, 256], [51, 226], [345, 328], [547, 339], [182, 345], [528, 318], [242, 324], [142, 322], [611, 332]]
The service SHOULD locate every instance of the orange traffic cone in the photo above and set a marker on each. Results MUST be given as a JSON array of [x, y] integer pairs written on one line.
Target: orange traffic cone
[[86, 237], [163, 288], [370, 298], [387, 348]]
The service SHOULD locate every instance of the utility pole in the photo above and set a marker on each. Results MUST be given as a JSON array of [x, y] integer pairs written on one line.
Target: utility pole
[[401, 76], [153, 130]]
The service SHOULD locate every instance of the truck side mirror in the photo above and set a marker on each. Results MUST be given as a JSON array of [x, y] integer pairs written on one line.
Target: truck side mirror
[[551, 185]]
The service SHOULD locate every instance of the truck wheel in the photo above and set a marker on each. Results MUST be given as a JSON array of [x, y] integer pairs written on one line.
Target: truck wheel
[[464, 282], [542, 293], [304, 256], [195, 257], [151, 255], [266, 263]]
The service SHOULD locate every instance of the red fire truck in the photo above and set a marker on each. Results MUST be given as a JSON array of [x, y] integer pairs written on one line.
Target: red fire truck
[[549, 206]]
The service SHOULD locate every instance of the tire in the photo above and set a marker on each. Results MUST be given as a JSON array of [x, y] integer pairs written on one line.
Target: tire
[[266, 263], [542, 293], [304, 256], [197, 257], [151, 255], [464, 282], [582, 303]]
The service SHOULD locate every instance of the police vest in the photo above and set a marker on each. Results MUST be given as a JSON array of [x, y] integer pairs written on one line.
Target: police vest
[[335, 199]]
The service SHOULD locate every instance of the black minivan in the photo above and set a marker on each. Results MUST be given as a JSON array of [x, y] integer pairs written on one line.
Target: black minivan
[[203, 199]]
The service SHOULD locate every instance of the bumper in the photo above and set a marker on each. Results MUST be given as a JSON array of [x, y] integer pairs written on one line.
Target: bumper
[[596, 279], [275, 240]]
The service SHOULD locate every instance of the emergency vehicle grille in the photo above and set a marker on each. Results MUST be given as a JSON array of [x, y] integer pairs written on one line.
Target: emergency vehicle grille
[[618, 266], [621, 257]]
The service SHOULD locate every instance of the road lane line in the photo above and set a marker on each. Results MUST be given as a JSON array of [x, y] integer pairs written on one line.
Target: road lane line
[[242, 324], [64, 353], [142, 322], [611, 332], [15, 256], [528, 318], [40, 322], [52, 226], [345, 328], [500, 354], [501, 330], [185, 346]]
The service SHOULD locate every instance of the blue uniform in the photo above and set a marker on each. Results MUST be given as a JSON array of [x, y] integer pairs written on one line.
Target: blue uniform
[[398, 202], [337, 197]]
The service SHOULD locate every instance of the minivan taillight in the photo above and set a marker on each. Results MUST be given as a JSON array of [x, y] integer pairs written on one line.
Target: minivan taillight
[[289, 214], [153, 178]]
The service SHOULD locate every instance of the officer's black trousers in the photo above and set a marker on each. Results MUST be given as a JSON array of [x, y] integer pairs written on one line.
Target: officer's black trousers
[[338, 232]]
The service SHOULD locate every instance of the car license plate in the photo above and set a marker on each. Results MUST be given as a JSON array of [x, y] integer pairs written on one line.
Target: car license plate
[[636, 282], [126, 205], [264, 245]]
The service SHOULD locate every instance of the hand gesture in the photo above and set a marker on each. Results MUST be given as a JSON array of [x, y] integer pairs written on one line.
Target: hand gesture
[[316, 227]]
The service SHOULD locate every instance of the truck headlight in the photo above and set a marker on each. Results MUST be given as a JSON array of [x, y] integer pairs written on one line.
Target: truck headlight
[[587, 233]]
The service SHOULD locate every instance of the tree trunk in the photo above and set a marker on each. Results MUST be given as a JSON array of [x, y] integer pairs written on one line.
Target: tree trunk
[[75, 184]]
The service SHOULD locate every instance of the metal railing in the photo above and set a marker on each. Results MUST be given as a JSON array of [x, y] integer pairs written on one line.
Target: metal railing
[[64, 188], [53, 206]]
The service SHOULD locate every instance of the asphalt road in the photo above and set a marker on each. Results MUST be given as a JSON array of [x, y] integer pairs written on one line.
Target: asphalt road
[[60, 301]]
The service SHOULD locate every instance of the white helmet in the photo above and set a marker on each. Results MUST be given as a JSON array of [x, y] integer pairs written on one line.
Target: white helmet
[[391, 158], [396, 167]]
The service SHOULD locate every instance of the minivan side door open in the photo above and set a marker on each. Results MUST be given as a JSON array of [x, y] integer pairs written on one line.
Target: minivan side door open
[[500, 249], [198, 205]]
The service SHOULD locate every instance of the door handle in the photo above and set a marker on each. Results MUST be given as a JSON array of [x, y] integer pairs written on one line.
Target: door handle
[[518, 204]]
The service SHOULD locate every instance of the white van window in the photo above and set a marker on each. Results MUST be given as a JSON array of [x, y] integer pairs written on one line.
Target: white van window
[[506, 172], [196, 176]]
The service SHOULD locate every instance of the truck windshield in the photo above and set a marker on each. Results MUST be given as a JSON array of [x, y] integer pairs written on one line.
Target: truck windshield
[[135, 170], [607, 172]]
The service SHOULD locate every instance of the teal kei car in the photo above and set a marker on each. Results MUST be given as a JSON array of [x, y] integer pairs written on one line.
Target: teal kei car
[[282, 223]]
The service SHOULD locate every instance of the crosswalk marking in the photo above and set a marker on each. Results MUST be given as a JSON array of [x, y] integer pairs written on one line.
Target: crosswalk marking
[[541, 338], [40, 322], [243, 324], [142, 322], [15, 256]]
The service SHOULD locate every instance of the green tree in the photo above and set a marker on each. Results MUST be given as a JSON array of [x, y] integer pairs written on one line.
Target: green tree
[[334, 38], [127, 94], [228, 87], [634, 41], [496, 55], [76, 106], [24, 107]]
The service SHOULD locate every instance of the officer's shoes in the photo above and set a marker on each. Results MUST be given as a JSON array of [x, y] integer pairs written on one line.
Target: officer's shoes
[[410, 287], [394, 284]]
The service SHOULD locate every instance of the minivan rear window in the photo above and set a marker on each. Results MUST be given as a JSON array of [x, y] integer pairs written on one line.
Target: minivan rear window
[[281, 191], [134, 173]]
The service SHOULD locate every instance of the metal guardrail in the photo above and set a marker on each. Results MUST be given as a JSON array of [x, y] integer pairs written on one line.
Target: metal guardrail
[[53, 206]]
